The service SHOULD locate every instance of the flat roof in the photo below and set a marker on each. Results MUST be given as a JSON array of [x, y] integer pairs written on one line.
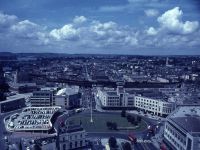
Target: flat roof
[[70, 90], [190, 124], [32, 118], [187, 117]]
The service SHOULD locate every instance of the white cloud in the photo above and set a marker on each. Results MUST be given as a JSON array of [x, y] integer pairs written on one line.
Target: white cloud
[[79, 19], [99, 35], [66, 32], [151, 12], [151, 31], [171, 20], [24, 26], [112, 8], [7, 20]]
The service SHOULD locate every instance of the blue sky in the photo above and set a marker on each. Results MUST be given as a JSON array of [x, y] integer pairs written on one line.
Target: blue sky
[[146, 27]]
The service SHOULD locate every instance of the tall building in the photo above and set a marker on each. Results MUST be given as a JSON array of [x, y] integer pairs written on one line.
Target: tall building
[[42, 98], [182, 128], [3, 85]]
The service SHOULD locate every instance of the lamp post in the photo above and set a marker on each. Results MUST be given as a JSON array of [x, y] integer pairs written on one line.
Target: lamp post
[[91, 117]]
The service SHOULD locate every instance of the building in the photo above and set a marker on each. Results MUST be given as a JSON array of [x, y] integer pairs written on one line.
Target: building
[[182, 128], [150, 101], [155, 103], [72, 137], [10, 103], [31, 119], [68, 97], [42, 98], [115, 97]]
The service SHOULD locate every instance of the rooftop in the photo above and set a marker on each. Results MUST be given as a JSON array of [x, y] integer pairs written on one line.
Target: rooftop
[[190, 124], [31, 118], [68, 91], [187, 117]]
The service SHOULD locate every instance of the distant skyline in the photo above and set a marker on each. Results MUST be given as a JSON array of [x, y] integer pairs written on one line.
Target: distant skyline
[[135, 27]]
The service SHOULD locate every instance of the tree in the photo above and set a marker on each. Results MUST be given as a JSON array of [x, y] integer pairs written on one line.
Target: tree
[[112, 142], [123, 113], [128, 118], [127, 146], [135, 123], [114, 126], [111, 125], [139, 118], [132, 119]]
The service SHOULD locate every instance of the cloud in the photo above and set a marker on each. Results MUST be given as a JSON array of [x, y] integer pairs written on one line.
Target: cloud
[[79, 19], [97, 35], [151, 31], [171, 20], [151, 12], [7, 20], [67, 32], [113, 8]]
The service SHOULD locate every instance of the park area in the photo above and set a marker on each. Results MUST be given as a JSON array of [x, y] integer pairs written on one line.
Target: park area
[[102, 122]]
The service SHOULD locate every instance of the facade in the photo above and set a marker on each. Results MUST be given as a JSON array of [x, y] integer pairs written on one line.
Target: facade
[[155, 105], [42, 98], [182, 130], [10, 103], [72, 137], [68, 97], [115, 98]]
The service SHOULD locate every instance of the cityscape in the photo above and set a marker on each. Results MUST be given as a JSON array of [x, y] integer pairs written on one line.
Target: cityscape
[[99, 75]]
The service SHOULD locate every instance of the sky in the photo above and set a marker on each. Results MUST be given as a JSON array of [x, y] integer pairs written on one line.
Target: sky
[[135, 27]]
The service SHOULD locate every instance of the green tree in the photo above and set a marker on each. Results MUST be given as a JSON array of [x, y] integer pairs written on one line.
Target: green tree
[[139, 118], [127, 146], [123, 113], [112, 142]]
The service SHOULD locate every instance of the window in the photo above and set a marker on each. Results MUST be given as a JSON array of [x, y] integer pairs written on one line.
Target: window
[[64, 147], [70, 145]]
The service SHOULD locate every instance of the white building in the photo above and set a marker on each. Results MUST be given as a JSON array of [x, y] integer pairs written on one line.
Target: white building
[[182, 128], [115, 97], [154, 104], [146, 100]]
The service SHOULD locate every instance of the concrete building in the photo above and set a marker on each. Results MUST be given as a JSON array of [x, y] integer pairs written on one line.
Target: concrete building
[[68, 97], [182, 128], [31, 119], [10, 103], [42, 98], [146, 100], [154, 103], [115, 97], [72, 137]]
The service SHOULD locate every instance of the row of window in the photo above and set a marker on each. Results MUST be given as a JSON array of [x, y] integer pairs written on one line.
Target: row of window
[[175, 143], [146, 100], [175, 134]]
